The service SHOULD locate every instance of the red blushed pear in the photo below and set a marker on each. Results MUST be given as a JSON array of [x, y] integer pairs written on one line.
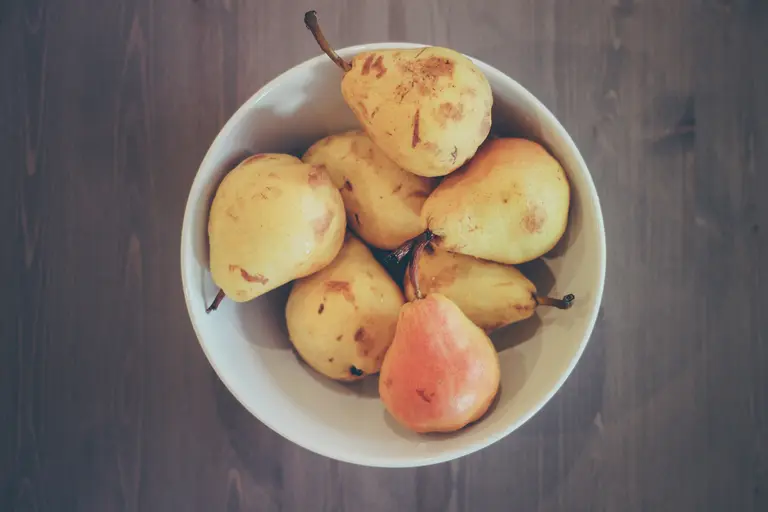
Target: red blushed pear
[[441, 371]]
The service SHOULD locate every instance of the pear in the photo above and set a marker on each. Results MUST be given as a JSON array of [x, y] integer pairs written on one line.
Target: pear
[[383, 201], [428, 109], [342, 319], [509, 204], [273, 219], [441, 371], [491, 294]]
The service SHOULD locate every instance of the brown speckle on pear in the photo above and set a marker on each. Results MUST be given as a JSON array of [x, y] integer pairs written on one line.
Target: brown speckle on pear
[[341, 287], [367, 64], [251, 278], [416, 138], [534, 219], [378, 65], [450, 111]]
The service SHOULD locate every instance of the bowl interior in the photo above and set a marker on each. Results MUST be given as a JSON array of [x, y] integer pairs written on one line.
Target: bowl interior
[[247, 344]]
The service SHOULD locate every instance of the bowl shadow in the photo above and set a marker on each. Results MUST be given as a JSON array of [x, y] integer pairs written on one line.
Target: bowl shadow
[[262, 321], [367, 387]]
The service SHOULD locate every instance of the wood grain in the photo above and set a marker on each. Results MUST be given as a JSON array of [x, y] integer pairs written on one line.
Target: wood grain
[[106, 400]]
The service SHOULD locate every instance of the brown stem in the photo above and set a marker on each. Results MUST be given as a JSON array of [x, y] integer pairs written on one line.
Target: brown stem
[[215, 304], [404, 250], [564, 303], [419, 243], [401, 252], [310, 20]]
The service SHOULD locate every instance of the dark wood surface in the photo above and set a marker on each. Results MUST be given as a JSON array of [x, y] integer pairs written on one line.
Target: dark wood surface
[[106, 399]]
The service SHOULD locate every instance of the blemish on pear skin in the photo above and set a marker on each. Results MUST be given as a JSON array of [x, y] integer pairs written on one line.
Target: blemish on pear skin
[[338, 338], [450, 111], [330, 359], [416, 138], [357, 220], [321, 224], [317, 176], [348, 185], [454, 154], [522, 308], [388, 382], [360, 335], [397, 188], [341, 287], [534, 219], [251, 278], [427, 397], [378, 65], [367, 64], [445, 277], [321, 309]]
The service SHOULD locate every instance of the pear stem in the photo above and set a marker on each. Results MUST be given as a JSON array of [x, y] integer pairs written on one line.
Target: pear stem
[[310, 20], [215, 304], [564, 303], [401, 252], [404, 250], [419, 243]]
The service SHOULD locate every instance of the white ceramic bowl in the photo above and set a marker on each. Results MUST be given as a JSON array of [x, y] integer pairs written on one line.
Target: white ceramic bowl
[[247, 343]]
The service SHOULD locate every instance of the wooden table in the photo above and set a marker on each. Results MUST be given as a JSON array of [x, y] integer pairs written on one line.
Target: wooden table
[[106, 399]]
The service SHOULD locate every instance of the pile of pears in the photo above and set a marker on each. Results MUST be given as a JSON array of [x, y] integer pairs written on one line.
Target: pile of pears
[[421, 181]]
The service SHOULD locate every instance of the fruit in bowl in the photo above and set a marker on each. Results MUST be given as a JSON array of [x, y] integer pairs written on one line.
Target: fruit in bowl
[[518, 195]]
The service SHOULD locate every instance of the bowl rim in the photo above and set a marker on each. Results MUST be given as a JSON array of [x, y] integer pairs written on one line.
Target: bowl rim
[[416, 460]]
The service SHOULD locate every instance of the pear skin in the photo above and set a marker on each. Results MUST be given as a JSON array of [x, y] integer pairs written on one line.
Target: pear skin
[[273, 219], [383, 201], [428, 108], [342, 319], [509, 204], [492, 295], [441, 371]]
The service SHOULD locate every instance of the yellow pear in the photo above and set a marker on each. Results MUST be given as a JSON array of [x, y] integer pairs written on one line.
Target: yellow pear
[[509, 204], [273, 219], [342, 319], [491, 294], [428, 108], [383, 201]]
